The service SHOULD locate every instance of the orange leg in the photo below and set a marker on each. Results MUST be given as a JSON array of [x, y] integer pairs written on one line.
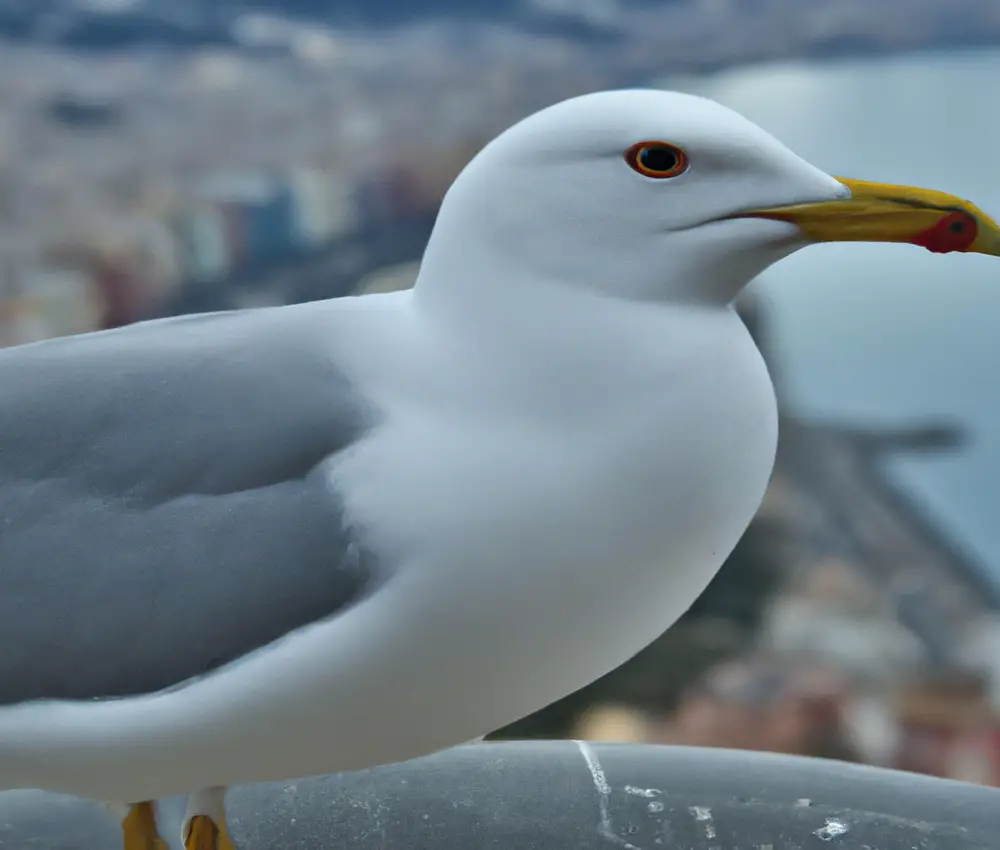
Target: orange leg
[[203, 833], [205, 826], [139, 828]]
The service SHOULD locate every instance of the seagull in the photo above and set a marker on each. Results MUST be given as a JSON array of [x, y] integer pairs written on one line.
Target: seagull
[[272, 543]]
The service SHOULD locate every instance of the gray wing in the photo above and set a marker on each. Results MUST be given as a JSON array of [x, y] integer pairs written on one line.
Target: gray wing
[[163, 504]]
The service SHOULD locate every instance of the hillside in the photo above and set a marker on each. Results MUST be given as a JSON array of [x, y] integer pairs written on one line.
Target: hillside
[[719, 32]]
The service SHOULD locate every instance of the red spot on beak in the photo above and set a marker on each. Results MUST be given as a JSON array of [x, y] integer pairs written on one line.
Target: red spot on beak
[[955, 232]]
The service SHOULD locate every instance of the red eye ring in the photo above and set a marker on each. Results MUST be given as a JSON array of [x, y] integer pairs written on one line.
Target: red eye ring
[[659, 160]]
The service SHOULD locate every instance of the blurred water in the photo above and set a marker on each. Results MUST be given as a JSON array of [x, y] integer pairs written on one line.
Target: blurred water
[[882, 332]]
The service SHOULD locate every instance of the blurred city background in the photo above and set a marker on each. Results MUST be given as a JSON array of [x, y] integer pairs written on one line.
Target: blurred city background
[[169, 156]]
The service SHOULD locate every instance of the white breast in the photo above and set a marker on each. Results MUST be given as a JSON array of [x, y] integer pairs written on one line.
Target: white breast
[[541, 553]]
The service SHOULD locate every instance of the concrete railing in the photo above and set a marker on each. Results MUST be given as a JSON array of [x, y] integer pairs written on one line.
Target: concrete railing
[[568, 796]]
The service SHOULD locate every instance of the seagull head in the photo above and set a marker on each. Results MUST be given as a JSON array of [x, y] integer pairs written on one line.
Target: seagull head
[[660, 196]]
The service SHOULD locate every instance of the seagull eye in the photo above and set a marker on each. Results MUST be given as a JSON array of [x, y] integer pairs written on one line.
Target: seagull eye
[[656, 159]]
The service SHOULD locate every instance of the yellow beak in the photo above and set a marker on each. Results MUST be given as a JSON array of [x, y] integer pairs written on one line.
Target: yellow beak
[[880, 212]]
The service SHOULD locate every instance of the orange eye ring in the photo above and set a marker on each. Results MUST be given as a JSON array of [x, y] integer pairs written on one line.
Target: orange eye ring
[[659, 160]]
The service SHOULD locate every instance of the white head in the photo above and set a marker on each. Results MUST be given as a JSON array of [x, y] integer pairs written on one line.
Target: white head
[[660, 196]]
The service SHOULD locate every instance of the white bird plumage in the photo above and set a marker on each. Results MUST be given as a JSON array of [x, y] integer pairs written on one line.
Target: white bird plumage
[[577, 430]]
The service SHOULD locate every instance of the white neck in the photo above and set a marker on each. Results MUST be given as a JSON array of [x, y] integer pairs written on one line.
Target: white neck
[[479, 270]]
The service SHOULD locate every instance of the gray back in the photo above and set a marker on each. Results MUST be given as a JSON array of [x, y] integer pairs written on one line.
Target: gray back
[[163, 503]]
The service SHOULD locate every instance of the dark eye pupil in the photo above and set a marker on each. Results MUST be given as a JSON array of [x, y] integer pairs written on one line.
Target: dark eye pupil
[[658, 159], [957, 226]]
